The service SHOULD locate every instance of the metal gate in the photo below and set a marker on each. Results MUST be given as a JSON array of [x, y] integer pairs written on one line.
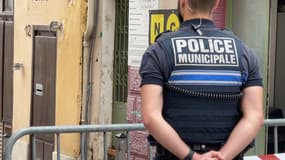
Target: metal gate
[[59, 130], [121, 54]]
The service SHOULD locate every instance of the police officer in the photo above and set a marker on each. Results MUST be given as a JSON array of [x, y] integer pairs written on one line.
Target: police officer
[[201, 89]]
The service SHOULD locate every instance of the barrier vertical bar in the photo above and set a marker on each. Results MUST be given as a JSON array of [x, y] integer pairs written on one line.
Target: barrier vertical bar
[[105, 147], [128, 146], [58, 145], [255, 152], [275, 139], [82, 140], [34, 151], [150, 152]]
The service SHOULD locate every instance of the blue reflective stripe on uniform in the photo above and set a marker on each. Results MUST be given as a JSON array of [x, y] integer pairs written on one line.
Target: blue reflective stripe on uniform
[[212, 72], [216, 83], [205, 77], [212, 83]]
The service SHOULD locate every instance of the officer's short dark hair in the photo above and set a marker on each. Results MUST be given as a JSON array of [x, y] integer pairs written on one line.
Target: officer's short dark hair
[[202, 5]]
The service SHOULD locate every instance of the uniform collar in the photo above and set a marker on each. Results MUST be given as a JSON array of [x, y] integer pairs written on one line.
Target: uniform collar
[[204, 22]]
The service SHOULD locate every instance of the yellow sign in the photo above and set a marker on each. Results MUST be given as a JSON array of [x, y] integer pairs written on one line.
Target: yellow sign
[[156, 26], [162, 20]]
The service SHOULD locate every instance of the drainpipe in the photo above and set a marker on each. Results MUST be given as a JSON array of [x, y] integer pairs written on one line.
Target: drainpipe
[[88, 42]]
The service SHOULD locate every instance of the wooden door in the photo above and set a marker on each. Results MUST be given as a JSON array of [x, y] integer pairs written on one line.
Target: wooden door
[[1, 65], [8, 60], [1, 84], [6, 69], [43, 99], [279, 89]]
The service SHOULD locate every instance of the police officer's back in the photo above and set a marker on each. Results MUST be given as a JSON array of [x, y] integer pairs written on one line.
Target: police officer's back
[[201, 89]]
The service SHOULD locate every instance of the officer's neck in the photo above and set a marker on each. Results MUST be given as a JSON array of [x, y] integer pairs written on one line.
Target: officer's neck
[[197, 16]]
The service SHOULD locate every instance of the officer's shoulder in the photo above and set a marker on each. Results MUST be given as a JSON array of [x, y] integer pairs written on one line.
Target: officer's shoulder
[[233, 35], [227, 31], [230, 33], [164, 35]]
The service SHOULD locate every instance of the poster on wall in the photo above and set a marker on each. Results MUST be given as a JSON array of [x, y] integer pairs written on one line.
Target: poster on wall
[[161, 21], [146, 21], [138, 28]]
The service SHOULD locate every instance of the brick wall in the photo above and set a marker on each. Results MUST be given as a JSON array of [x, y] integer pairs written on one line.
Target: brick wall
[[220, 14], [139, 147]]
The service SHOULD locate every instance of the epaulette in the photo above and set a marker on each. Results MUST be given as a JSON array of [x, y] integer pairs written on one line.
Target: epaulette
[[160, 34]]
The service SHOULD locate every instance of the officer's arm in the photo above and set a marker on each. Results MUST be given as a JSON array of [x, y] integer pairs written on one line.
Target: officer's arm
[[154, 122], [249, 125]]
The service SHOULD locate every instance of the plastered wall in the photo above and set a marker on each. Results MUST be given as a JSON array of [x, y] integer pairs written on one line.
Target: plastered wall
[[168, 4], [251, 23], [71, 13]]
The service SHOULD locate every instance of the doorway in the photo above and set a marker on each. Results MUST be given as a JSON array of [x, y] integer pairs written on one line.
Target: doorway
[[44, 88], [276, 88]]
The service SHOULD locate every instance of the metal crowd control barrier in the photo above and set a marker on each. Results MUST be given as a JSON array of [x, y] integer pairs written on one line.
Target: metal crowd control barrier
[[275, 123], [57, 130]]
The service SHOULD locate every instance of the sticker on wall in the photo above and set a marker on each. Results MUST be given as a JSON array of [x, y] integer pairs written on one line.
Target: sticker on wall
[[160, 21]]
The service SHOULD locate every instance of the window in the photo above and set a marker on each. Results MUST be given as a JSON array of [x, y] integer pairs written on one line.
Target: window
[[7, 5]]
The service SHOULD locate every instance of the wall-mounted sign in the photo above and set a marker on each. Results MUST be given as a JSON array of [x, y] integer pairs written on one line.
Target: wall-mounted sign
[[160, 21]]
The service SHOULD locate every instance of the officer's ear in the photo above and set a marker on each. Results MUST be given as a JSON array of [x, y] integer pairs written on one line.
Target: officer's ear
[[183, 4]]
